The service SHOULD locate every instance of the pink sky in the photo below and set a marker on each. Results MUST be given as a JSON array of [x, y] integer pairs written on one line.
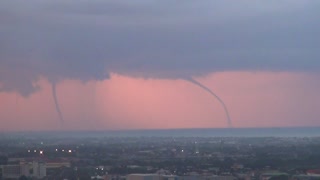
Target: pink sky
[[254, 99]]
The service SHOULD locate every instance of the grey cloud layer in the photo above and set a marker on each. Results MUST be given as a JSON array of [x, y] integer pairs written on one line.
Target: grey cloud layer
[[86, 40]]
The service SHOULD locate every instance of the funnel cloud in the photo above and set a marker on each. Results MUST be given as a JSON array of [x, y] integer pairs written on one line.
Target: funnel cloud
[[56, 103], [197, 83]]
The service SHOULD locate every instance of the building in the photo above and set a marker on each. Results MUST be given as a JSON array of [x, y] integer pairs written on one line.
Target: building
[[314, 172], [57, 164], [267, 176], [305, 177], [14, 171], [206, 178], [34, 169], [39, 169], [150, 177]]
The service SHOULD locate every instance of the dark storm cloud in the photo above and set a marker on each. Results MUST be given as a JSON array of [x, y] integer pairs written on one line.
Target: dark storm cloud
[[86, 40]]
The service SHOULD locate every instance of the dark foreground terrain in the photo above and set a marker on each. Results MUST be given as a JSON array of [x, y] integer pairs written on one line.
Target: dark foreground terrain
[[111, 157]]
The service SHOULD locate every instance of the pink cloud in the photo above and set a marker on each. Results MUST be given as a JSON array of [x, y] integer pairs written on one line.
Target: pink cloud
[[261, 99]]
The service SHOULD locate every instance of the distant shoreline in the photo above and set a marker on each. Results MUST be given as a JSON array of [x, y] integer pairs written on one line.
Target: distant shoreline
[[196, 132]]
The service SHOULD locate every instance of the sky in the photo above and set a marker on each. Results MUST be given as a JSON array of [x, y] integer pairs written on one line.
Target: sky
[[124, 64]]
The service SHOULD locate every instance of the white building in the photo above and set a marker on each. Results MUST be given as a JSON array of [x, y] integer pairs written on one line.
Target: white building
[[39, 169]]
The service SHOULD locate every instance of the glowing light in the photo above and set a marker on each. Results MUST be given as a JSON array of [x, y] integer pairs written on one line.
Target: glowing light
[[182, 150], [35, 151], [62, 150], [28, 150], [41, 152], [56, 149], [70, 151]]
